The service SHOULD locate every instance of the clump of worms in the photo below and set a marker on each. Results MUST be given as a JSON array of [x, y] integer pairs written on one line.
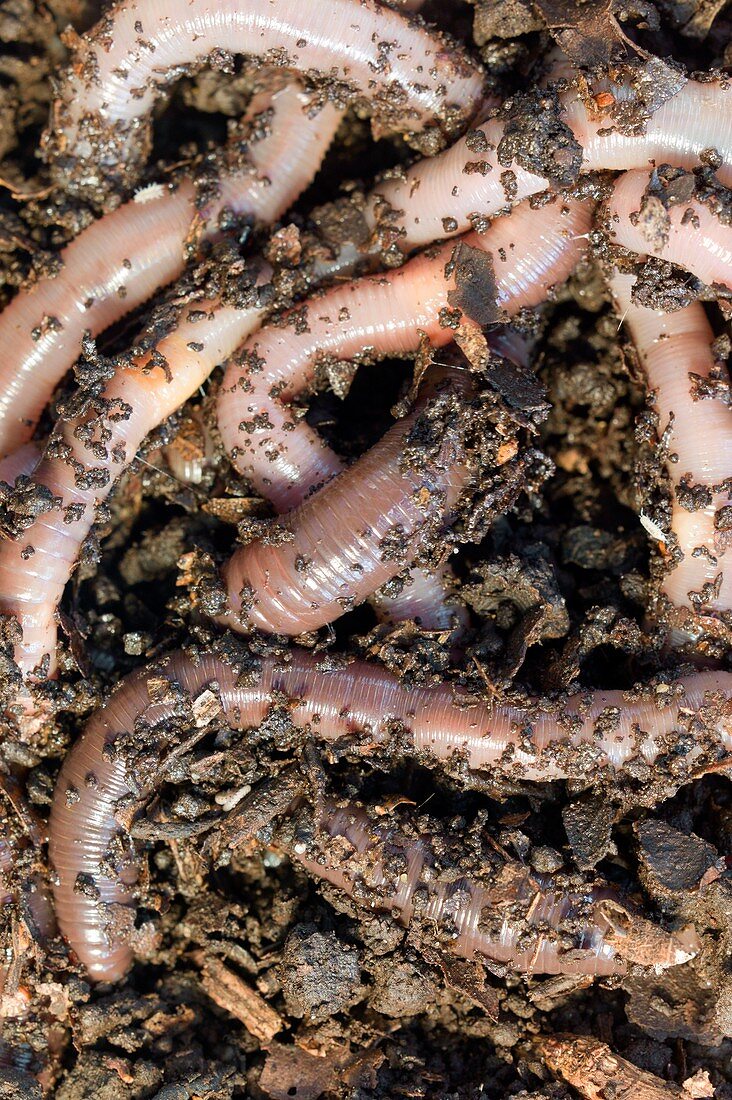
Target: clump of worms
[[365, 584]]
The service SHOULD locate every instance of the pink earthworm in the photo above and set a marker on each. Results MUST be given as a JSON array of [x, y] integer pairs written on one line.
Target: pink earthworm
[[675, 350], [85, 457], [531, 923], [338, 554], [427, 595], [411, 79], [91, 851], [426, 598], [341, 531], [121, 259], [471, 180], [683, 230], [90, 451]]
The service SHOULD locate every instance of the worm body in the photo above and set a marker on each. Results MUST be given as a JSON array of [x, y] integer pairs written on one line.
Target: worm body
[[358, 532], [427, 598], [90, 451], [21, 463], [535, 924], [409, 78], [121, 259], [675, 350], [90, 848], [380, 315], [686, 232], [85, 458], [474, 178], [340, 549]]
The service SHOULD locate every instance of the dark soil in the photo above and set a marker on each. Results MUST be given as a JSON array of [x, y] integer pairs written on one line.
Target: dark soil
[[251, 980]]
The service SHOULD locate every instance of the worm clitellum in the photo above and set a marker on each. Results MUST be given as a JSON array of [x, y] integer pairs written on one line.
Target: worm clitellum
[[587, 733]]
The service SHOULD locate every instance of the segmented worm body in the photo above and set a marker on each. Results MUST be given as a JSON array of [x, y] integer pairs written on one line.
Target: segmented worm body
[[341, 534], [477, 176], [86, 456], [656, 220], [90, 451], [675, 350], [409, 78], [72, 473], [496, 273], [535, 924], [121, 259], [90, 849], [361, 529]]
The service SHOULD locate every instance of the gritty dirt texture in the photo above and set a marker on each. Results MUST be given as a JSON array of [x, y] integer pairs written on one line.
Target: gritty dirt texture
[[252, 979]]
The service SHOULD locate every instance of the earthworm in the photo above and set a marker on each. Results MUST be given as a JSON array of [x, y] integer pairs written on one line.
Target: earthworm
[[675, 350], [89, 452], [338, 554], [85, 457], [90, 848], [425, 598], [341, 531], [471, 180], [648, 215], [121, 259], [381, 315], [531, 923], [411, 79]]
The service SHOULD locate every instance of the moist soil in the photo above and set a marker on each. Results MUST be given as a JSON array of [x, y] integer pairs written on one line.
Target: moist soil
[[251, 979]]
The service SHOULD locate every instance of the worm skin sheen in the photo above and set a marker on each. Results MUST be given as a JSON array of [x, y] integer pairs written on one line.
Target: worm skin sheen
[[531, 923], [87, 453], [21, 463], [121, 259], [360, 530], [337, 556], [688, 232], [409, 78], [675, 350], [446, 194], [90, 849], [427, 597], [83, 460]]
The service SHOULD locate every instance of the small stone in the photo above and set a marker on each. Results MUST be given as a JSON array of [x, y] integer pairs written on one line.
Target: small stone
[[546, 860]]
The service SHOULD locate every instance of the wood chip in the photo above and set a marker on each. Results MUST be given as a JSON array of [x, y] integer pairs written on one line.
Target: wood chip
[[597, 1072], [232, 993], [206, 708]]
